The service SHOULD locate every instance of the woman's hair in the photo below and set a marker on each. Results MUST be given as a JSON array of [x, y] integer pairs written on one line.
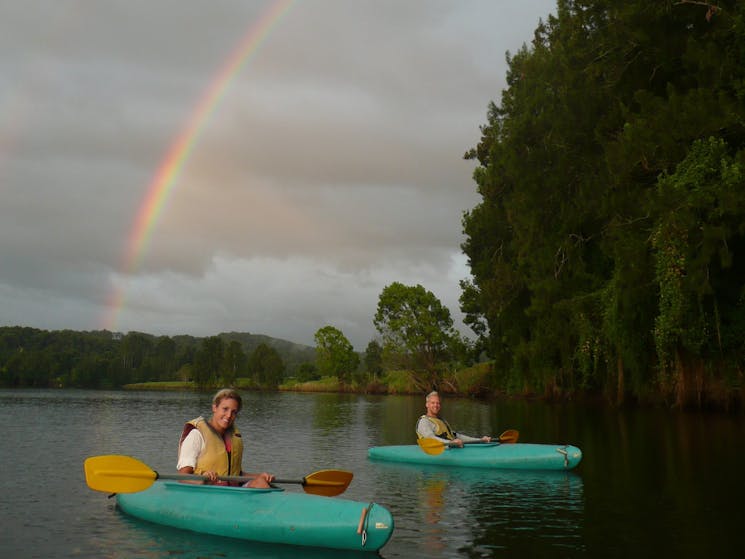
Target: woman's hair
[[227, 393]]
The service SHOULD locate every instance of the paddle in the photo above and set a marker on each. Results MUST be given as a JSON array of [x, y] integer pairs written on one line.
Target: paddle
[[435, 447], [115, 473]]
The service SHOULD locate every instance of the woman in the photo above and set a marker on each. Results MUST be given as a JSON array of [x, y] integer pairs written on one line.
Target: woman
[[214, 448]]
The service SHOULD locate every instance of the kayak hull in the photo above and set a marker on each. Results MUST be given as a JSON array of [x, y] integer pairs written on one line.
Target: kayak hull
[[520, 456], [263, 515]]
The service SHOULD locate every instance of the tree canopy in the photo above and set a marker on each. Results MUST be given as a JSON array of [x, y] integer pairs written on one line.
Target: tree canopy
[[416, 329], [31, 357], [607, 250], [335, 355]]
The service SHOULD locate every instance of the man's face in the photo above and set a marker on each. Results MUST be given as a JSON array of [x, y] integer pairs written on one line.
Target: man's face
[[433, 405]]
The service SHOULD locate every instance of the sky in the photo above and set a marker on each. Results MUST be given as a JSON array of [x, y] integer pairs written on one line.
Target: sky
[[184, 167]]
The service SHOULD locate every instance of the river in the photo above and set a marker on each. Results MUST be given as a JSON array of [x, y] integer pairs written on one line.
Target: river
[[652, 483]]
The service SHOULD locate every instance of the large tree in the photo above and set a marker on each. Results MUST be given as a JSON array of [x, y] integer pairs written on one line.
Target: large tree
[[374, 359], [415, 327], [266, 366], [209, 361], [610, 96], [697, 242], [235, 361], [335, 355]]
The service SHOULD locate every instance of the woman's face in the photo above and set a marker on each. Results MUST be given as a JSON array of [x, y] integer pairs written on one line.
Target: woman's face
[[224, 414]]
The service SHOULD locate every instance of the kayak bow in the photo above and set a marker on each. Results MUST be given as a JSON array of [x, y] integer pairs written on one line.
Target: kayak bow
[[263, 515]]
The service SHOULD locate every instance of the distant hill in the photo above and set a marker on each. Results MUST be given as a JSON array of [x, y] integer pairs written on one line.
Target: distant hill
[[291, 353], [60, 351]]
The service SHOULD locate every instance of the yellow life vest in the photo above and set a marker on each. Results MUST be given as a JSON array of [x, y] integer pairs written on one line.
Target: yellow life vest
[[216, 456], [441, 427]]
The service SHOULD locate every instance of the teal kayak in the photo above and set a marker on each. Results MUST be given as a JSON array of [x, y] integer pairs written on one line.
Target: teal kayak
[[263, 515], [519, 456]]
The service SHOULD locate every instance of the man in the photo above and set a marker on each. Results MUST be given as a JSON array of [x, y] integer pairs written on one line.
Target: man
[[432, 426]]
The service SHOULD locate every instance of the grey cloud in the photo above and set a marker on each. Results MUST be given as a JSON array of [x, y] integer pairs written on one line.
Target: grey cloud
[[331, 167]]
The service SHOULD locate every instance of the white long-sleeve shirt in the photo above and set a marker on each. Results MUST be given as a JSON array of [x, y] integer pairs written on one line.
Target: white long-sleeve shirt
[[190, 450]]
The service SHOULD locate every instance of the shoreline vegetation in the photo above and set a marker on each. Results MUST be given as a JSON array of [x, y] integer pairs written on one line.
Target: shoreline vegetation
[[471, 382], [101, 360]]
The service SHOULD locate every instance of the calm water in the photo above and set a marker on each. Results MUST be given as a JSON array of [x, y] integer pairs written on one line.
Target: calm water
[[652, 483]]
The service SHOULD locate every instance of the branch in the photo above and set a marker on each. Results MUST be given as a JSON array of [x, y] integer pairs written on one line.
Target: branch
[[713, 8], [707, 4]]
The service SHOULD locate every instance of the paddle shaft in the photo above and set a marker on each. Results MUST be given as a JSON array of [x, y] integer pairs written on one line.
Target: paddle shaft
[[233, 479], [451, 443], [436, 446], [510, 436], [116, 473]]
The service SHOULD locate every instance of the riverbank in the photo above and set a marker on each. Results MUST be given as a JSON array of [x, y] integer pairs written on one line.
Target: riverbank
[[470, 382]]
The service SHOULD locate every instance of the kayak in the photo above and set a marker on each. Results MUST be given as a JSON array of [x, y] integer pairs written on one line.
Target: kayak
[[519, 456], [262, 515]]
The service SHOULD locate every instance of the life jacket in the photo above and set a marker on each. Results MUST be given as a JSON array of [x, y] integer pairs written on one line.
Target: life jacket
[[223, 455], [442, 429]]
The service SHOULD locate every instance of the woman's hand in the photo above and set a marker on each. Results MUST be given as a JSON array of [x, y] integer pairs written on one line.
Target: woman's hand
[[262, 480], [211, 476], [268, 478]]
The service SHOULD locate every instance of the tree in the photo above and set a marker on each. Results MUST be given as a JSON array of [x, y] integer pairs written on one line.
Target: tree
[[164, 358], [235, 361], [568, 288], [700, 277], [374, 359], [307, 372], [335, 355], [208, 362], [266, 366], [416, 329], [135, 348]]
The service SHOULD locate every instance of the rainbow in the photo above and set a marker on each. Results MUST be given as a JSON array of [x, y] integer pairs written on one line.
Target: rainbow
[[169, 170]]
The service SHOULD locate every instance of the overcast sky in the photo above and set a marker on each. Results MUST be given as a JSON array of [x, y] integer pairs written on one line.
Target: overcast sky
[[332, 166]]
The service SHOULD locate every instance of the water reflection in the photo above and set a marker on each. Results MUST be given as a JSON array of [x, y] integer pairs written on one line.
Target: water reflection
[[479, 510], [653, 482]]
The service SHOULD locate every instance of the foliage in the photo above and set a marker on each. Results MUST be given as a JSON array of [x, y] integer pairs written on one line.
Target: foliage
[[293, 355], [416, 329], [401, 382], [31, 357], [374, 359], [700, 281], [208, 362], [335, 355], [306, 372], [476, 380], [323, 384], [235, 362], [607, 246], [265, 366]]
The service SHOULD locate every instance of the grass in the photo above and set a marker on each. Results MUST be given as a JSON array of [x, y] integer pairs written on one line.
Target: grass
[[161, 385], [473, 381], [325, 384]]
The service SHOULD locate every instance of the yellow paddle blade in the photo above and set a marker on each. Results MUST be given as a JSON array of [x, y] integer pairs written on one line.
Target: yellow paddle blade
[[327, 482], [116, 473], [431, 446], [509, 436]]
